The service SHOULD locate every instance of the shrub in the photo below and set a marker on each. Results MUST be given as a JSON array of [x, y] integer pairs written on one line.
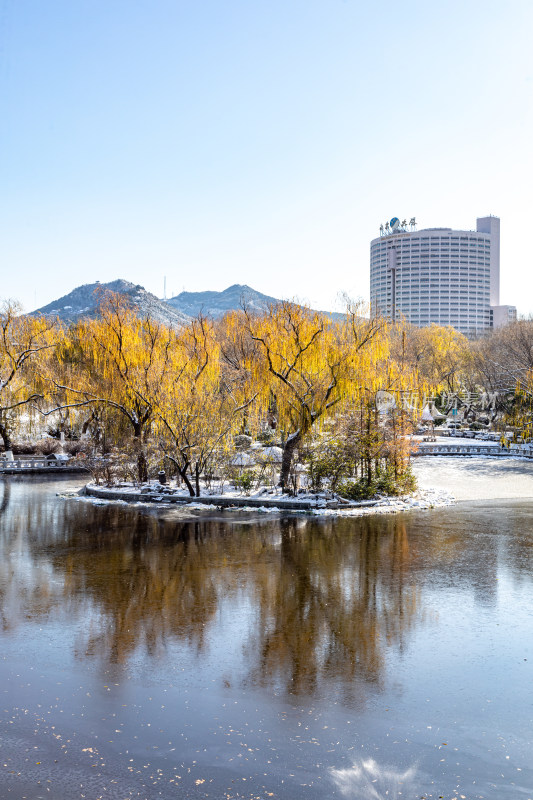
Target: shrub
[[46, 447], [268, 438], [356, 490], [74, 448], [245, 481], [385, 483], [330, 460], [242, 441], [25, 448]]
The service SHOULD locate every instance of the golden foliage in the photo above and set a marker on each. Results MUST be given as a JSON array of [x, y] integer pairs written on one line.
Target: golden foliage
[[190, 390]]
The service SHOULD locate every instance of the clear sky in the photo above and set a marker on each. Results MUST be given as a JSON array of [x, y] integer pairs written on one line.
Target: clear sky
[[256, 141]]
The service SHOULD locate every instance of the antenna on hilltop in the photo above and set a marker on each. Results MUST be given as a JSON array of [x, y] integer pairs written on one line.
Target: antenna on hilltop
[[165, 287]]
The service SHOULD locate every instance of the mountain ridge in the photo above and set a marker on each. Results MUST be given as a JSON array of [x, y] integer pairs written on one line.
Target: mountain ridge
[[216, 304], [83, 302]]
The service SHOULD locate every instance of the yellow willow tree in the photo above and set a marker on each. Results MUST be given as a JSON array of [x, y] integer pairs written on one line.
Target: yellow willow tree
[[368, 439], [199, 408], [238, 356], [308, 364], [383, 408], [24, 341], [119, 362], [441, 355]]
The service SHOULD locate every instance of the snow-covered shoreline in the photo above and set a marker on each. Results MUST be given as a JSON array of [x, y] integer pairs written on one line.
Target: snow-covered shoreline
[[442, 481], [260, 503]]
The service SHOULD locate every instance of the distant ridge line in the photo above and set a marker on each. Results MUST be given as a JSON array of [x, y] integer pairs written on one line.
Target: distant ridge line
[[83, 302]]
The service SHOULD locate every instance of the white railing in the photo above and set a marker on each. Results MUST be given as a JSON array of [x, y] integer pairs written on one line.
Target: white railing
[[31, 463], [470, 450]]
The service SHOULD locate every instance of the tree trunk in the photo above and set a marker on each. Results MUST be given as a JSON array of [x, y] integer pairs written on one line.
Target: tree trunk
[[182, 472], [185, 479], [369, 449], [8, 445], [142, 467], [183, 475], [197, 479], [286, 462]]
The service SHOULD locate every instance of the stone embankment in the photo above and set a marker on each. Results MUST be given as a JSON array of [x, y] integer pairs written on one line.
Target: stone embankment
[[156, 493], [159, 495]]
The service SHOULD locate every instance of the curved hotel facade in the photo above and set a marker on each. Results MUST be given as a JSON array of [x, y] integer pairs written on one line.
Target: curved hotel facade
[[439, 275]]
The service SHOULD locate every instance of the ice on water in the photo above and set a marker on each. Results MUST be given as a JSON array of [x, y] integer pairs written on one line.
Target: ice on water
[[367, 780], [476, 478]]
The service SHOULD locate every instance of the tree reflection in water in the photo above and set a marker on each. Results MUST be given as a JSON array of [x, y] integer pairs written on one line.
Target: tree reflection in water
[[151, 582], [329, 596], [336, 599], [26, 592], [6, 494]]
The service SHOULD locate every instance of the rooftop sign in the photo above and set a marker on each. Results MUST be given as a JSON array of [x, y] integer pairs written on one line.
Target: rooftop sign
[[395, 226]]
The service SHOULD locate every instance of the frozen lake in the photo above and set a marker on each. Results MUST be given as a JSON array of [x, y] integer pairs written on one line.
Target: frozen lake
[[474, 478], [147, 654]]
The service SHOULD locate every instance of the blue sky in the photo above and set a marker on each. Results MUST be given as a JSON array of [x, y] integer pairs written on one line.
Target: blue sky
[[259, 142]]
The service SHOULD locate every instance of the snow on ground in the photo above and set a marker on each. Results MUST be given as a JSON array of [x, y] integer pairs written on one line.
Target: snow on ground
[[441, 480], [421, 500]]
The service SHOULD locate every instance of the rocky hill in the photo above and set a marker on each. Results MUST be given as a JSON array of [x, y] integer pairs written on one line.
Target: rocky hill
[[83, 302], [216, 304]]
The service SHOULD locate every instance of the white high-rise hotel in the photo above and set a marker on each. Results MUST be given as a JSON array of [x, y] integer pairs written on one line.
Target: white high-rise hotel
[[439, 275]]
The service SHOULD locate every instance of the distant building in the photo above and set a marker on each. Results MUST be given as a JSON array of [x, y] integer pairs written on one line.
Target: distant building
[[439, 275], [503, 315]]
